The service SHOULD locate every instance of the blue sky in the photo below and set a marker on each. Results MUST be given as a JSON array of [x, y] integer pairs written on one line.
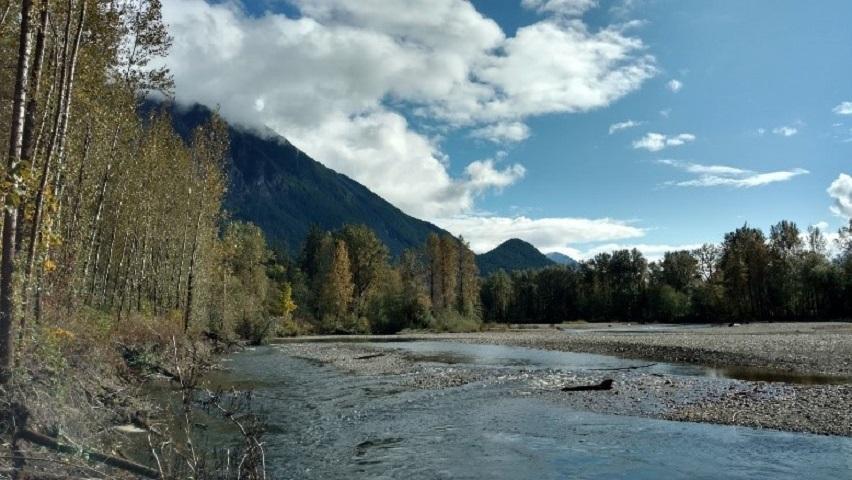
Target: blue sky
[[495, 119]]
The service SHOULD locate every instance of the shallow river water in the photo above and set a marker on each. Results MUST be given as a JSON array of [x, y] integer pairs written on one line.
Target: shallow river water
[[326, 424]]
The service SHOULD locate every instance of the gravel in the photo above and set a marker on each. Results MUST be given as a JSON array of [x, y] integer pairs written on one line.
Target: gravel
[[824, 349]]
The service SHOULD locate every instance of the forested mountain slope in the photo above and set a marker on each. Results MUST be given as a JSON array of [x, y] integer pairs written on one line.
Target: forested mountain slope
[[278, 187], [513, 254]]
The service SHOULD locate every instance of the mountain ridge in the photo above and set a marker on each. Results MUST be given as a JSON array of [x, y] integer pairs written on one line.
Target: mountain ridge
[[562, 259], [513, 254], [284, 191]]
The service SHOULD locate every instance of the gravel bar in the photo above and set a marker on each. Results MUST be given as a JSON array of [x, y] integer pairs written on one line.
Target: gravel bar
[[824, 349]]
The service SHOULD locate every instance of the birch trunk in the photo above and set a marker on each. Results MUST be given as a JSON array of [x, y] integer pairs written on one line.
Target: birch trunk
[[10, 216]]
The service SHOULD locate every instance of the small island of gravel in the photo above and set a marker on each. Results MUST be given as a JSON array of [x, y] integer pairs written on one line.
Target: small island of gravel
[[784, 376]]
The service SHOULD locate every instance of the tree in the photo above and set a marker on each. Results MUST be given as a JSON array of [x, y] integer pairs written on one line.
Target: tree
[[468, 293], [12, 195], [414, 278], [680, 270], [744, 264], [337, 289], [497, 296], [368, 261], [785, 249], [434, 254], [246, 257]]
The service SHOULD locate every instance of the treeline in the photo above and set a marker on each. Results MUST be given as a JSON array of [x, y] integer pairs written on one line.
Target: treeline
[[116, 253], [110, 216], [345, 282], [789, 275]]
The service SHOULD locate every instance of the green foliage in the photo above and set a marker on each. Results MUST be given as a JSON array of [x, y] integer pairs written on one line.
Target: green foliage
[[244, 287], [788, 276], [348, 284], [449, 320], [497, 296]]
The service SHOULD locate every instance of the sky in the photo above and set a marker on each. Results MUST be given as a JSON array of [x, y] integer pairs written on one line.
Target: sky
[[580, 126]]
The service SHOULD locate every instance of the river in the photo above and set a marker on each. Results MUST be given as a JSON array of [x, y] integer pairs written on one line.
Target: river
[[326, 424]]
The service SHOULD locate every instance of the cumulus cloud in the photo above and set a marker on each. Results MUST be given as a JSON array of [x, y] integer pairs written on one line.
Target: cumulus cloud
[[503, 132], [547, 234], [844, 108], [616, 127], [723, 175], [674, 85], [482, 175], [563, 7], [841, 191], [785, 131], [654, 142], [338, 79]]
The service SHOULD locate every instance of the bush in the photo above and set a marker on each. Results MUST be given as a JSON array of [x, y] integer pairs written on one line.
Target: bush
[[294, 327], [452, 321]]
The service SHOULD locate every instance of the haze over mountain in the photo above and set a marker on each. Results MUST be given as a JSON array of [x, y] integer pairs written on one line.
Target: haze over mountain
[[561, 259], [284, 191], [513, 254]]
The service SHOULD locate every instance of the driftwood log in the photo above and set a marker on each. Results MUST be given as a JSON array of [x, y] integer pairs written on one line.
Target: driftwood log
[[365, 357], [112, 461], [20, 416], [604, 385]]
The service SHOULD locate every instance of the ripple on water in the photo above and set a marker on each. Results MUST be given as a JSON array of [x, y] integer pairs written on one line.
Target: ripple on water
[[335, 426]]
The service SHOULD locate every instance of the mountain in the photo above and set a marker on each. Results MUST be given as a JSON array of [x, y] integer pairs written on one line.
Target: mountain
[[514, 254], [284, 191], [562, 259]]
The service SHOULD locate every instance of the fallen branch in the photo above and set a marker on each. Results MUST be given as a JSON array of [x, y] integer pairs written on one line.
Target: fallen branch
[[28, 475], [622, 368], [604, 385], [109, 460], [365, 357]]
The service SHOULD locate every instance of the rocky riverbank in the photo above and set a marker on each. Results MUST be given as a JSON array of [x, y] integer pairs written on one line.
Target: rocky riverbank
[[822, 409]]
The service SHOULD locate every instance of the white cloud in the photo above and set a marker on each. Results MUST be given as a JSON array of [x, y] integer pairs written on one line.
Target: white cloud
[[615, 127], [547, 234], [844, 108], [552, 67], [674, 85], [482, 175], [785, 131], [337, 78], [723, 175], [651, 252], [380, 146], [503, 132], [841, 191], [705, 169], [654, 142], [563, 7]]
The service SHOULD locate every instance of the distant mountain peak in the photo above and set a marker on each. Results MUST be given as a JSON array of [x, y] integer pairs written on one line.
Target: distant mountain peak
[[513, 254], [562, 259]]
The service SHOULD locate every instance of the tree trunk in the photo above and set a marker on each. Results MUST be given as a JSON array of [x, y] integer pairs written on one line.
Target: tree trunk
[[102, 191], [179, 283], [10, 217], [63, 133], [190, 281]]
